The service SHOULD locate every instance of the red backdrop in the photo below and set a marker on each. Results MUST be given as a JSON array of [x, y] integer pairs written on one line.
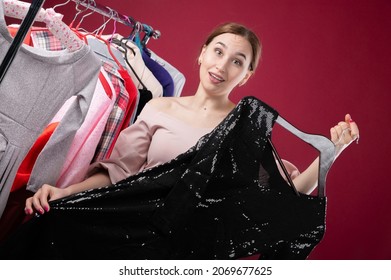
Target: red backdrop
[[321, 59]]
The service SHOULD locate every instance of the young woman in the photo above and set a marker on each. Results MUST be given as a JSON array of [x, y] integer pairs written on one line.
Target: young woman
[[228, 59], [168, 127]]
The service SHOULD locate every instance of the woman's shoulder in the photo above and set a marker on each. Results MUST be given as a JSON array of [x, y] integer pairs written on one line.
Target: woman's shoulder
[[167, 104]]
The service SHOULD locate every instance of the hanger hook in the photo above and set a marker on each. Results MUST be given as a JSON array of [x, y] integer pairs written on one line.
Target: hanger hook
[[148, 32], [79, 11], [135, 31], [100, 30], [61, 4], [89, 4]]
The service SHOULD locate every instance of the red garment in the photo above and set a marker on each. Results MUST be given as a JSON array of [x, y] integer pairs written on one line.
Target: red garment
[[130, 107], [23, 175], [14, 29], [26, 167], [132, 91]]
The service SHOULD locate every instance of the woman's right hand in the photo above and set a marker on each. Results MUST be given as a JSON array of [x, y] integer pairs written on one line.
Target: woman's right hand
[[39, 202]]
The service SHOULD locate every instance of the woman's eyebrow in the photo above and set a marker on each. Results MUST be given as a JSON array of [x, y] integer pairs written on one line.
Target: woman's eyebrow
[[237, 53]]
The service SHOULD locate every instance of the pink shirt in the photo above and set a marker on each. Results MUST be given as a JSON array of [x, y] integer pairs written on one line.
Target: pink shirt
[[87, 137], [154, 138]]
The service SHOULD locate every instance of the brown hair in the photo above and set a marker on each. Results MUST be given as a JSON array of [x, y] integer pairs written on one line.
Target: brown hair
[[241, 30]]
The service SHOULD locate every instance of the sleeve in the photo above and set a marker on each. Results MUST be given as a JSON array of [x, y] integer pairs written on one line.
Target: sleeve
[[129, 155], [49, 163]]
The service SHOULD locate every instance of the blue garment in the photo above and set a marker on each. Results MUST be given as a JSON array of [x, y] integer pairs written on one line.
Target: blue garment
[[178, 78], [160, 74]]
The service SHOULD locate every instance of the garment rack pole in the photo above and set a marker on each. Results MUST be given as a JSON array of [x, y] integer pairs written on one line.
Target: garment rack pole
[[110, 13], [35, 6]]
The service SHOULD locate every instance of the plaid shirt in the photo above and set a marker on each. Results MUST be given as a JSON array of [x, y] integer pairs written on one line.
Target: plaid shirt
[[44, 39], [117, 115]]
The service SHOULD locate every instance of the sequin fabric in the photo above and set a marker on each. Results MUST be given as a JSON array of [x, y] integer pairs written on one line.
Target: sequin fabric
[[222, 199]]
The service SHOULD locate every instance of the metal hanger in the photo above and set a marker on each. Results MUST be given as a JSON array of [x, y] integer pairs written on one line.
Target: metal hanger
[[325, 147]]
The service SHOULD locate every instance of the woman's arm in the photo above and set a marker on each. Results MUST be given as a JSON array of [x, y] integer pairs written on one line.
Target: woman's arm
[[47, 193], [307, 180], [342, 135], [128, 157]]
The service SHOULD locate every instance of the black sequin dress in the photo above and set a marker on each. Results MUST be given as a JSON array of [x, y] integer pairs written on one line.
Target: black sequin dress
[[211, 202]]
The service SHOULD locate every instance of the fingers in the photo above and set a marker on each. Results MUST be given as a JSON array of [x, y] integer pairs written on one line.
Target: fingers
[[355, 133], [348, 118], [28, 208], [340, 133], [344, 132], [39, 202], [334, 135]]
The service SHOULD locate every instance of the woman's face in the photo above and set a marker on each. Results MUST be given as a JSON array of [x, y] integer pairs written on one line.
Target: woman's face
[[225, 63]]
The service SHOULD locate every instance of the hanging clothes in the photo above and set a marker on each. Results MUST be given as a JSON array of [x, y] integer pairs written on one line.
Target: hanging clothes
[[88, 136], [71, 165], [44, 39], [210, 202], [116, 116], [35, 87], [141, 75], [177, 77], [124, 96], [160, 73]]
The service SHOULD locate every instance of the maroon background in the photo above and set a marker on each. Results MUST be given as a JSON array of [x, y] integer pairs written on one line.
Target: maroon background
[[321, 59]]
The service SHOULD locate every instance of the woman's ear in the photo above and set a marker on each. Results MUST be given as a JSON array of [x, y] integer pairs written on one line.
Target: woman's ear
[[201, 54], [245, 79]]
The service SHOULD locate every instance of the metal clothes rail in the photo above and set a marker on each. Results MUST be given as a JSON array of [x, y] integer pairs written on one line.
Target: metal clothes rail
[[112, 14]]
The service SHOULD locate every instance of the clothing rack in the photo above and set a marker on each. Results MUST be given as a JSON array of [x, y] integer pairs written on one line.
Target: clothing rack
[[112, 14], [35, 6]]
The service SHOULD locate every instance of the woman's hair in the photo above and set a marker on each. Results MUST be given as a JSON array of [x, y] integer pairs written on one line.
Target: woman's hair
[[241, 30]]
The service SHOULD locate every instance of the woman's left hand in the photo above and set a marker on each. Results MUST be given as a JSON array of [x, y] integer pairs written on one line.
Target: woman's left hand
[[344, 133]]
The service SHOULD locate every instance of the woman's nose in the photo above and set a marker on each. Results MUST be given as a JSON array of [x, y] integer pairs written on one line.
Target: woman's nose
[[221, 66]]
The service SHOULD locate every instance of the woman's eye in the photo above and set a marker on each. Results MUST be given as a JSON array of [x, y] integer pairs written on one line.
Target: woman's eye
[[218, 52], [237, 62]]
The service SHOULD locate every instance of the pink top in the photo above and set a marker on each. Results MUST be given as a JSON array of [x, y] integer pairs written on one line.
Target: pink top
[[154, 138], [87, 137]]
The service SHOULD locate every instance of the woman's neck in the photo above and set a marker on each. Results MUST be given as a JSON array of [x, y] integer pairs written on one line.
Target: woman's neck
[[202, 101]]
